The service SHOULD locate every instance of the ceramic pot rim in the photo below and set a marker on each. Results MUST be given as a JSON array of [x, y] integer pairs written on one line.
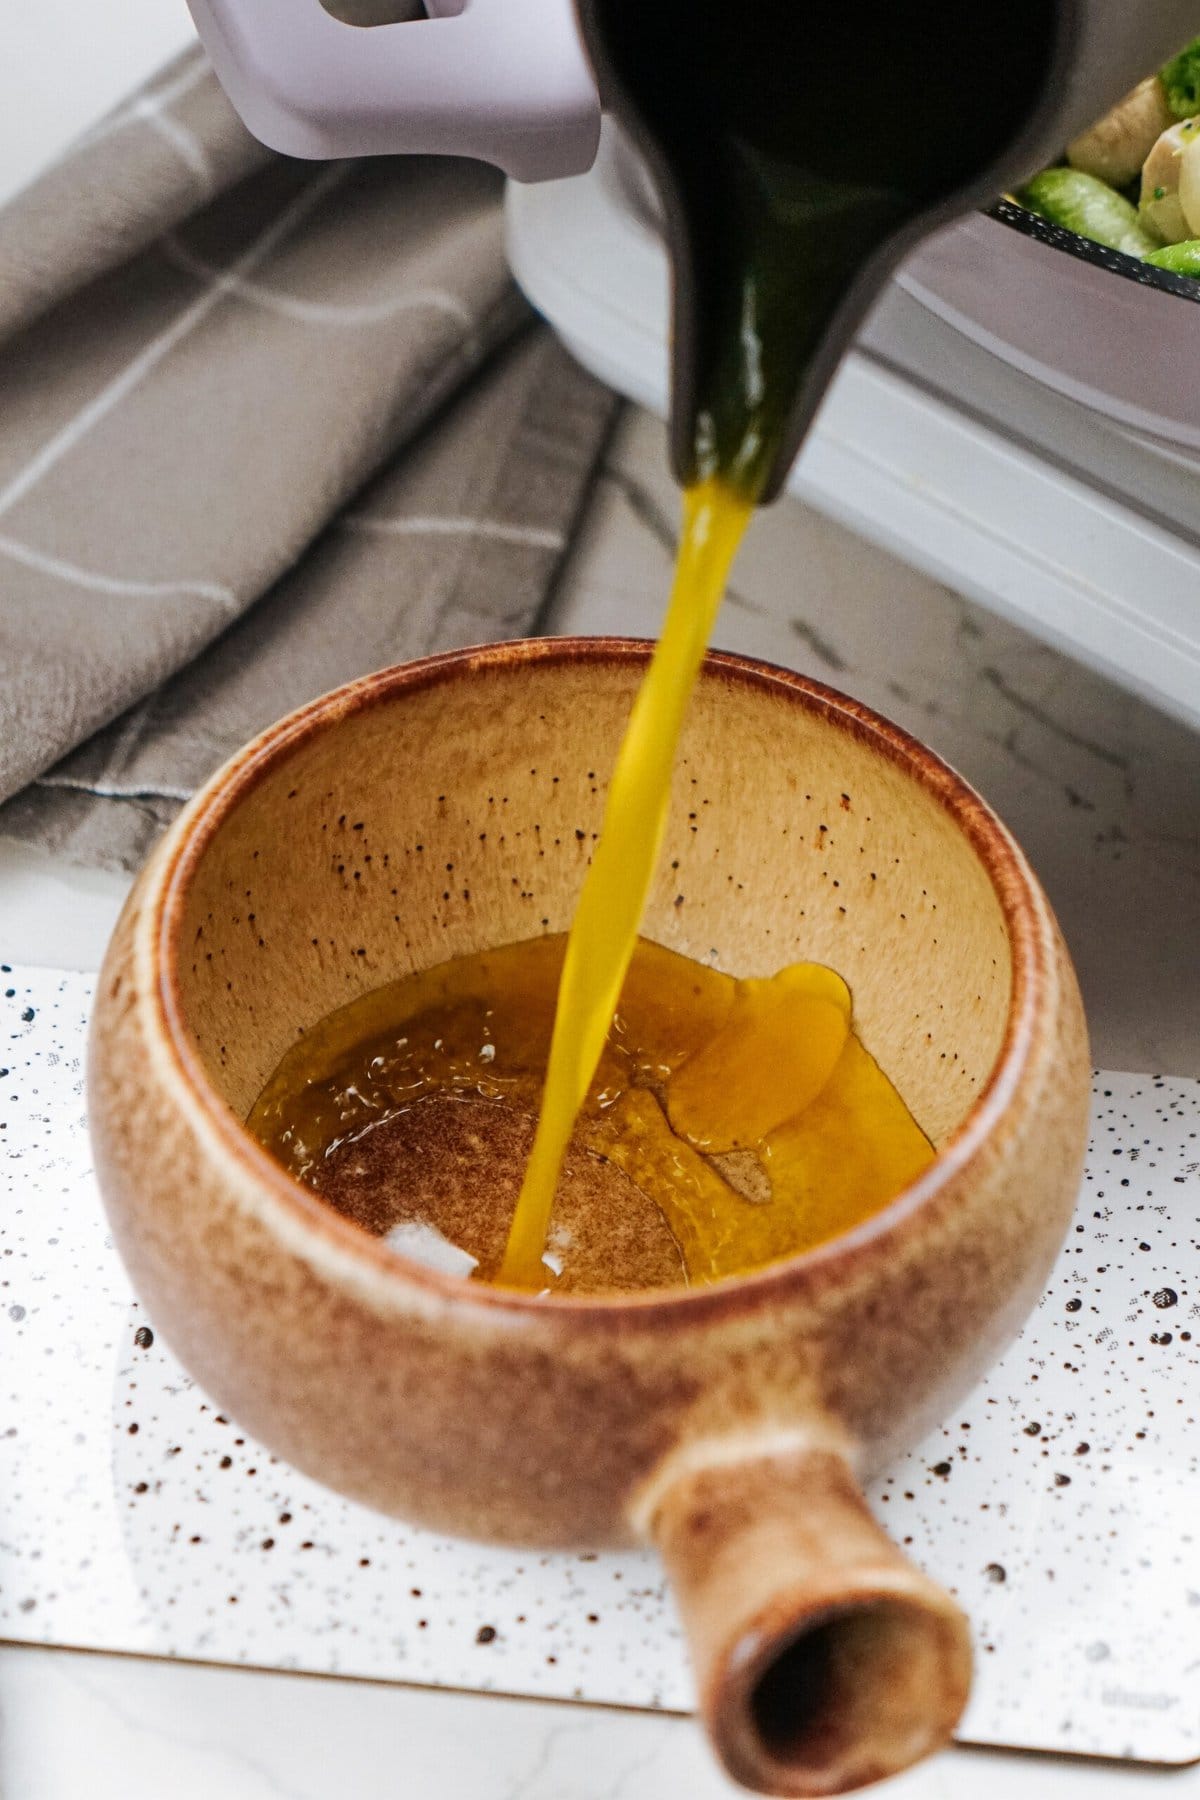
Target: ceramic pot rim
[[1026, 915]]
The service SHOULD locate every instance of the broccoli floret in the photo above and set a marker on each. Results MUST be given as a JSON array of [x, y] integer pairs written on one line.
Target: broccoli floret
[[1181, 81]]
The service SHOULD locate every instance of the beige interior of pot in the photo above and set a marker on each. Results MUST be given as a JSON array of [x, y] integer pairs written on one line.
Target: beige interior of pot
[[461, 815]]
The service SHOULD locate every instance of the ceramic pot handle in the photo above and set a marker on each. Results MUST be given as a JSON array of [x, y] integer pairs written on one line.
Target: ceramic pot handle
[[823, 1658], [506, 81]]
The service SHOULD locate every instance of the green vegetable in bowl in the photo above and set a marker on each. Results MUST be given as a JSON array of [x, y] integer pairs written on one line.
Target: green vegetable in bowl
[[1180, 259], [1084, 204], [1181, 81], [1149, 143]]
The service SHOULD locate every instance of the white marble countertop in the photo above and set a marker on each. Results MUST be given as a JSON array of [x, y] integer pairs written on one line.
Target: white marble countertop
[[76, 1727], [1103, 792]]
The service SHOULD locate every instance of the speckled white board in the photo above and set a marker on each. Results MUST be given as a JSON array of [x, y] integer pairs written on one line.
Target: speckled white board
[[1060, 1501]]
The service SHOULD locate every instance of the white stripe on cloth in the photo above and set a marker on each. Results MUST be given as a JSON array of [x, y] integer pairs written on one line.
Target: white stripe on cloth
[[535, 537], [322, 312], [153, 353], [183, 141], [142, 105], [113, 790], [92, 579]]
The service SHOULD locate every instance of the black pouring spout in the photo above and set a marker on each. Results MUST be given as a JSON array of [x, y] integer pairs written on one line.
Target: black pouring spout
[[1063, 63]]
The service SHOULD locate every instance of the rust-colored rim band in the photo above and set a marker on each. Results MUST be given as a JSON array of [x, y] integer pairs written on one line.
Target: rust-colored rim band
[[1025, 915]]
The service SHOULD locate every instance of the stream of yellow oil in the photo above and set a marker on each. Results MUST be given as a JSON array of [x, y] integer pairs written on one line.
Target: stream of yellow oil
[[605, 928]]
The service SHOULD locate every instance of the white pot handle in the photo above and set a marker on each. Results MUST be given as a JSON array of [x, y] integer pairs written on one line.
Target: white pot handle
[[506, 81]]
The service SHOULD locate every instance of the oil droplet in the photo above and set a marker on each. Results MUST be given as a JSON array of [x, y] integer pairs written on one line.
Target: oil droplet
[[1166, 1296]]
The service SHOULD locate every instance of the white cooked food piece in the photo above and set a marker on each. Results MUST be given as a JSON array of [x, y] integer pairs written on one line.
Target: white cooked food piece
[[424, 1243], [1189, 185], [1161, 208], [1117, 145]]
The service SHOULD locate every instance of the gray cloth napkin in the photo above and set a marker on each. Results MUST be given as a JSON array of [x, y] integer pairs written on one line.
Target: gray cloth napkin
[[264, 426]]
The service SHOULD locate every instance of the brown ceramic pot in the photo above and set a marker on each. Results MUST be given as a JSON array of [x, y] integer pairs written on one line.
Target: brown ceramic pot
[[730, 1425]]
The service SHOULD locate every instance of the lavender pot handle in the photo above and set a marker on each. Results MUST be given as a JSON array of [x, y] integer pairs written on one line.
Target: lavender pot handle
[[506, 81]]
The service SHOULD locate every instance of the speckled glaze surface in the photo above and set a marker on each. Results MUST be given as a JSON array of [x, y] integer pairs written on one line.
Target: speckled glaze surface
[[449, 805]]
